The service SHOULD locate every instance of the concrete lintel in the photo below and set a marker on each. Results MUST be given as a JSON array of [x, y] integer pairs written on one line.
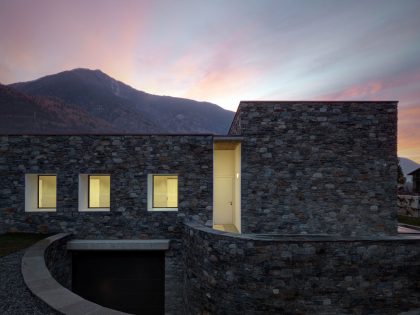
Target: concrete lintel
[[116, 245], [227, 138]]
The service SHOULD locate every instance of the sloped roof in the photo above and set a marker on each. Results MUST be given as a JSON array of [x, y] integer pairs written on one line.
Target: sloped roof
[[415, 171]]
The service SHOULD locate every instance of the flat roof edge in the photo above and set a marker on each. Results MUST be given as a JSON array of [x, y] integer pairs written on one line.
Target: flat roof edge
[[107, 134], [320, 101]]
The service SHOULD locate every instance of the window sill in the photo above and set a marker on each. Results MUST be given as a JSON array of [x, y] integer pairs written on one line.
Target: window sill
[[163, 209], [42, 210], [95, 210]]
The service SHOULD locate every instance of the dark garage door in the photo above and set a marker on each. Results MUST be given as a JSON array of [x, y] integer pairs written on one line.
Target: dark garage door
[[129, 281]]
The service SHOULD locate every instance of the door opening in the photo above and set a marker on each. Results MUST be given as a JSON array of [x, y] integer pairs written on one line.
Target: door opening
[[226, 186]]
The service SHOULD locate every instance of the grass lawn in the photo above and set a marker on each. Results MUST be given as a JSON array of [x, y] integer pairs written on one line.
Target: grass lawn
[[409, 220], [12, 242]]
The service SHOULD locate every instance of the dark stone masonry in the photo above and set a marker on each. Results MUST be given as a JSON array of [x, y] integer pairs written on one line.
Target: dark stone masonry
[[313, 167], [128, 159], [288, 275], [318, 209], [59, 261]]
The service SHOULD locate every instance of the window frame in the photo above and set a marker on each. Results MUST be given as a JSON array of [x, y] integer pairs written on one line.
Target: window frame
[[88, 193], [83, 192], [37, 193], [31, 196], [150, 194]]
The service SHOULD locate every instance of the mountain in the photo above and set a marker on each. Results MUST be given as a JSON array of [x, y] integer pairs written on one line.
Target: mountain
[[125, 108], [407, 167], [20, 113]]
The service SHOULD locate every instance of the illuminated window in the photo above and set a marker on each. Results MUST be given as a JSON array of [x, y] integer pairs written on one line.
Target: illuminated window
[[47, 191], [94, 192], [99, 191], [163, 192], [40, 193]]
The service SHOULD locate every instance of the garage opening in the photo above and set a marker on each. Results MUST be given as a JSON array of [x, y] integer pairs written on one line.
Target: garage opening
[[132, 281]]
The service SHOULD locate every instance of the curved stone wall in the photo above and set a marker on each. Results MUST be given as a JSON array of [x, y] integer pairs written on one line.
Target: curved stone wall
[[45, 259], [252, 274]]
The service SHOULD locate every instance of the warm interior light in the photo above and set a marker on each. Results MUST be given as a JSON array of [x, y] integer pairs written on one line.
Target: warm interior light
[[47, 191], [165, 191], [99, 191]]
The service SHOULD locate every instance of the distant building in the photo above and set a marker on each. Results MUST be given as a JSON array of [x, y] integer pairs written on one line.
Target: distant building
[[416, 180]]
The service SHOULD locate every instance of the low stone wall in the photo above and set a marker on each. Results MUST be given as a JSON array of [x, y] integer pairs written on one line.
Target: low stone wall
[[42, 280], [245, 274], [59, 261], [409, 205]]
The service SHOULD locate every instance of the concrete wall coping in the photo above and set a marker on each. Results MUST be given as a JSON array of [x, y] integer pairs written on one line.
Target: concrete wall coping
[[305, 238], [41, 283], [117, 245]]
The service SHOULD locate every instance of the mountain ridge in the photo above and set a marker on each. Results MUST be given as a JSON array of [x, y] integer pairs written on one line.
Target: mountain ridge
[[128, 109], [29, 114]]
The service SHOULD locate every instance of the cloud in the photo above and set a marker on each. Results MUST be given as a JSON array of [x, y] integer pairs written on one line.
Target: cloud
[[409, 132], [224, 51]]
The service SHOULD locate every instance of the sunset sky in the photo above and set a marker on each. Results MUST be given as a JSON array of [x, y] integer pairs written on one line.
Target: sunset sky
[[226, 51]]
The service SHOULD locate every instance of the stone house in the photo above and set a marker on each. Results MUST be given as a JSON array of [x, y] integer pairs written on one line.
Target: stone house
[[416, 180], [288, 211]]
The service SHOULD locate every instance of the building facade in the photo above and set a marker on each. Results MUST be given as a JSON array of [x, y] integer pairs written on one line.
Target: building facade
[[322, 169]]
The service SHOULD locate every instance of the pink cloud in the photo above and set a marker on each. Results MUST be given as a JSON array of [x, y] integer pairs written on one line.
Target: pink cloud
[[402, 87], [368, 90], [409, 132], [226, 70], [376, 89]]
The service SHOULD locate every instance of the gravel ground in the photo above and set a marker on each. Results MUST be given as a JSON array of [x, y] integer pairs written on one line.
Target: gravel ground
[[15, 297]]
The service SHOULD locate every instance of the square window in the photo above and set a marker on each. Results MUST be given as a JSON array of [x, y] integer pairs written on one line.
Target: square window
[[94, 192], [99, 191], [40, 193], [47, 191], [163, 192]]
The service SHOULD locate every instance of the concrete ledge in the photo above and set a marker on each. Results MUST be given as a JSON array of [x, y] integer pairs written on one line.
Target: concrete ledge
[[41, 283], [116, 245]]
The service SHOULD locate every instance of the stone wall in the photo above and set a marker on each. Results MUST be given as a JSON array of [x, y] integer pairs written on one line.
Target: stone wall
[[128, 159], [43, 284], [318, 167], [59, 261], [228, 274]]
